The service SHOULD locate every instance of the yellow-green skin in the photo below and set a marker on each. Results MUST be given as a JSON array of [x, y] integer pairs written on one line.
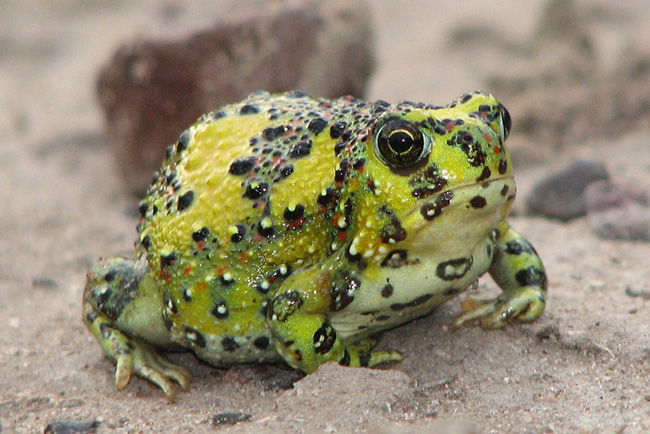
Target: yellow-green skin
[[286, 227]]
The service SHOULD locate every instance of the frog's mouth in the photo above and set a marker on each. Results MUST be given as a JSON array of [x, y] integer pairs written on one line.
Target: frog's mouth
[[476, 198]]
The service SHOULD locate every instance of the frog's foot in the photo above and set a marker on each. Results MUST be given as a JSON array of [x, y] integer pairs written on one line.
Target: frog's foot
[[361, 354], [134, 356], [146, 362], [525, 304]]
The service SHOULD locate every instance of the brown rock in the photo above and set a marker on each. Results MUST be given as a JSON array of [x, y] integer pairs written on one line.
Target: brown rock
[[152, 90]]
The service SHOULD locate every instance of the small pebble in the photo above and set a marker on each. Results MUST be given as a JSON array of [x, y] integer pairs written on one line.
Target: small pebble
[[230, 418], [72, 427]]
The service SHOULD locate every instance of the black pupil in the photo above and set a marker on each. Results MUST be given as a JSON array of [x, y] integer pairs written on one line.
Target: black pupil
[[400, 141]]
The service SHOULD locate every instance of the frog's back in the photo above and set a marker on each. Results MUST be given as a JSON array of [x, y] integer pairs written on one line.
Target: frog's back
[[242, 200]]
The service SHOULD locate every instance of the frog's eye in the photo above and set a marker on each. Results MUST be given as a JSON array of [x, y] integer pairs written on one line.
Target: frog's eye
[[400, 143], [505, 123]]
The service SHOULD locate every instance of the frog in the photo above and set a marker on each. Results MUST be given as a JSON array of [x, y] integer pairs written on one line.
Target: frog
[[286, 228]]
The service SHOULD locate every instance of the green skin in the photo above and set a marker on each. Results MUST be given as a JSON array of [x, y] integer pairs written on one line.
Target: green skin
[[437, 230]]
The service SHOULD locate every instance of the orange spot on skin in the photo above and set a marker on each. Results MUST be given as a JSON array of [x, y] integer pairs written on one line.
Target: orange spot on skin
[[201, 286], [487, 138], [449, 126], [187, 270], [243, 257], [295, 224], [342, 236], [201, 245], [496, 149]]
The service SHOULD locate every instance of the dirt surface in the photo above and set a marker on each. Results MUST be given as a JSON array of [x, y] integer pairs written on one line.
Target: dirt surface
[[583, 367]]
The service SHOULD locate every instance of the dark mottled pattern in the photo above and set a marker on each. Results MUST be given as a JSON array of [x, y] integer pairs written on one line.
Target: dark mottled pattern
[[454, 268], [418, 301]]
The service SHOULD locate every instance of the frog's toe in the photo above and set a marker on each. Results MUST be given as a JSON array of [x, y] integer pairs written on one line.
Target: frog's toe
[[525, 304], [148, 363]]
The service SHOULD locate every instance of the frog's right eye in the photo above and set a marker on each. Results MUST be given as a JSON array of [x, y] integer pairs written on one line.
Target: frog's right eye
[[505, 122], [400, 143]]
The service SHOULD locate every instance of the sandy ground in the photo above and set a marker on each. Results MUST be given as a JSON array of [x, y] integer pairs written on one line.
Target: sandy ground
[[584, 367]]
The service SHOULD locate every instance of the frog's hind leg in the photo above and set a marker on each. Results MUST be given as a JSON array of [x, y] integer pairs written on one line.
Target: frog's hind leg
[[122, 308], [305, 339]]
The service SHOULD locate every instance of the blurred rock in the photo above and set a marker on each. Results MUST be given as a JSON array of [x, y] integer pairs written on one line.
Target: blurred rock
[[603, 195], [563, 89], [617, 212], [152, 90], [561, 194]]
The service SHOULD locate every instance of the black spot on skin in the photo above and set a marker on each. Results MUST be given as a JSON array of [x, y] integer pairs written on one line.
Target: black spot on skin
[[168, 260], [183, 141], [146, 242], [218, 115], [454, 268], [344, 287], [432, 210], [382, 317], [249, 109], [286, 170], [477, 202], [517, 247], [503, 166], [452, 291], [485, 174], [364, 358], [194, 336], [324, 339], [256, 190], [504, 190], [262, 343], [293, 214], [239, 235], [418, 301], [272, 133], [242, 165], [395, 258], [337, 129], [105, 330], [301, 149], [201, 235], [387, 291], [185, 200], [186, 295], [110, 276], [345, 360], [265, 231], [143, 208], [91, 316], [532, 276], [316, 126], [229, 344], [220, 310]]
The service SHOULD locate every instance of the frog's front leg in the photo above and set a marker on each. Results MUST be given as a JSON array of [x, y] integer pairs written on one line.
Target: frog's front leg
[[303, 336], [519, 271], [122, 308]]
